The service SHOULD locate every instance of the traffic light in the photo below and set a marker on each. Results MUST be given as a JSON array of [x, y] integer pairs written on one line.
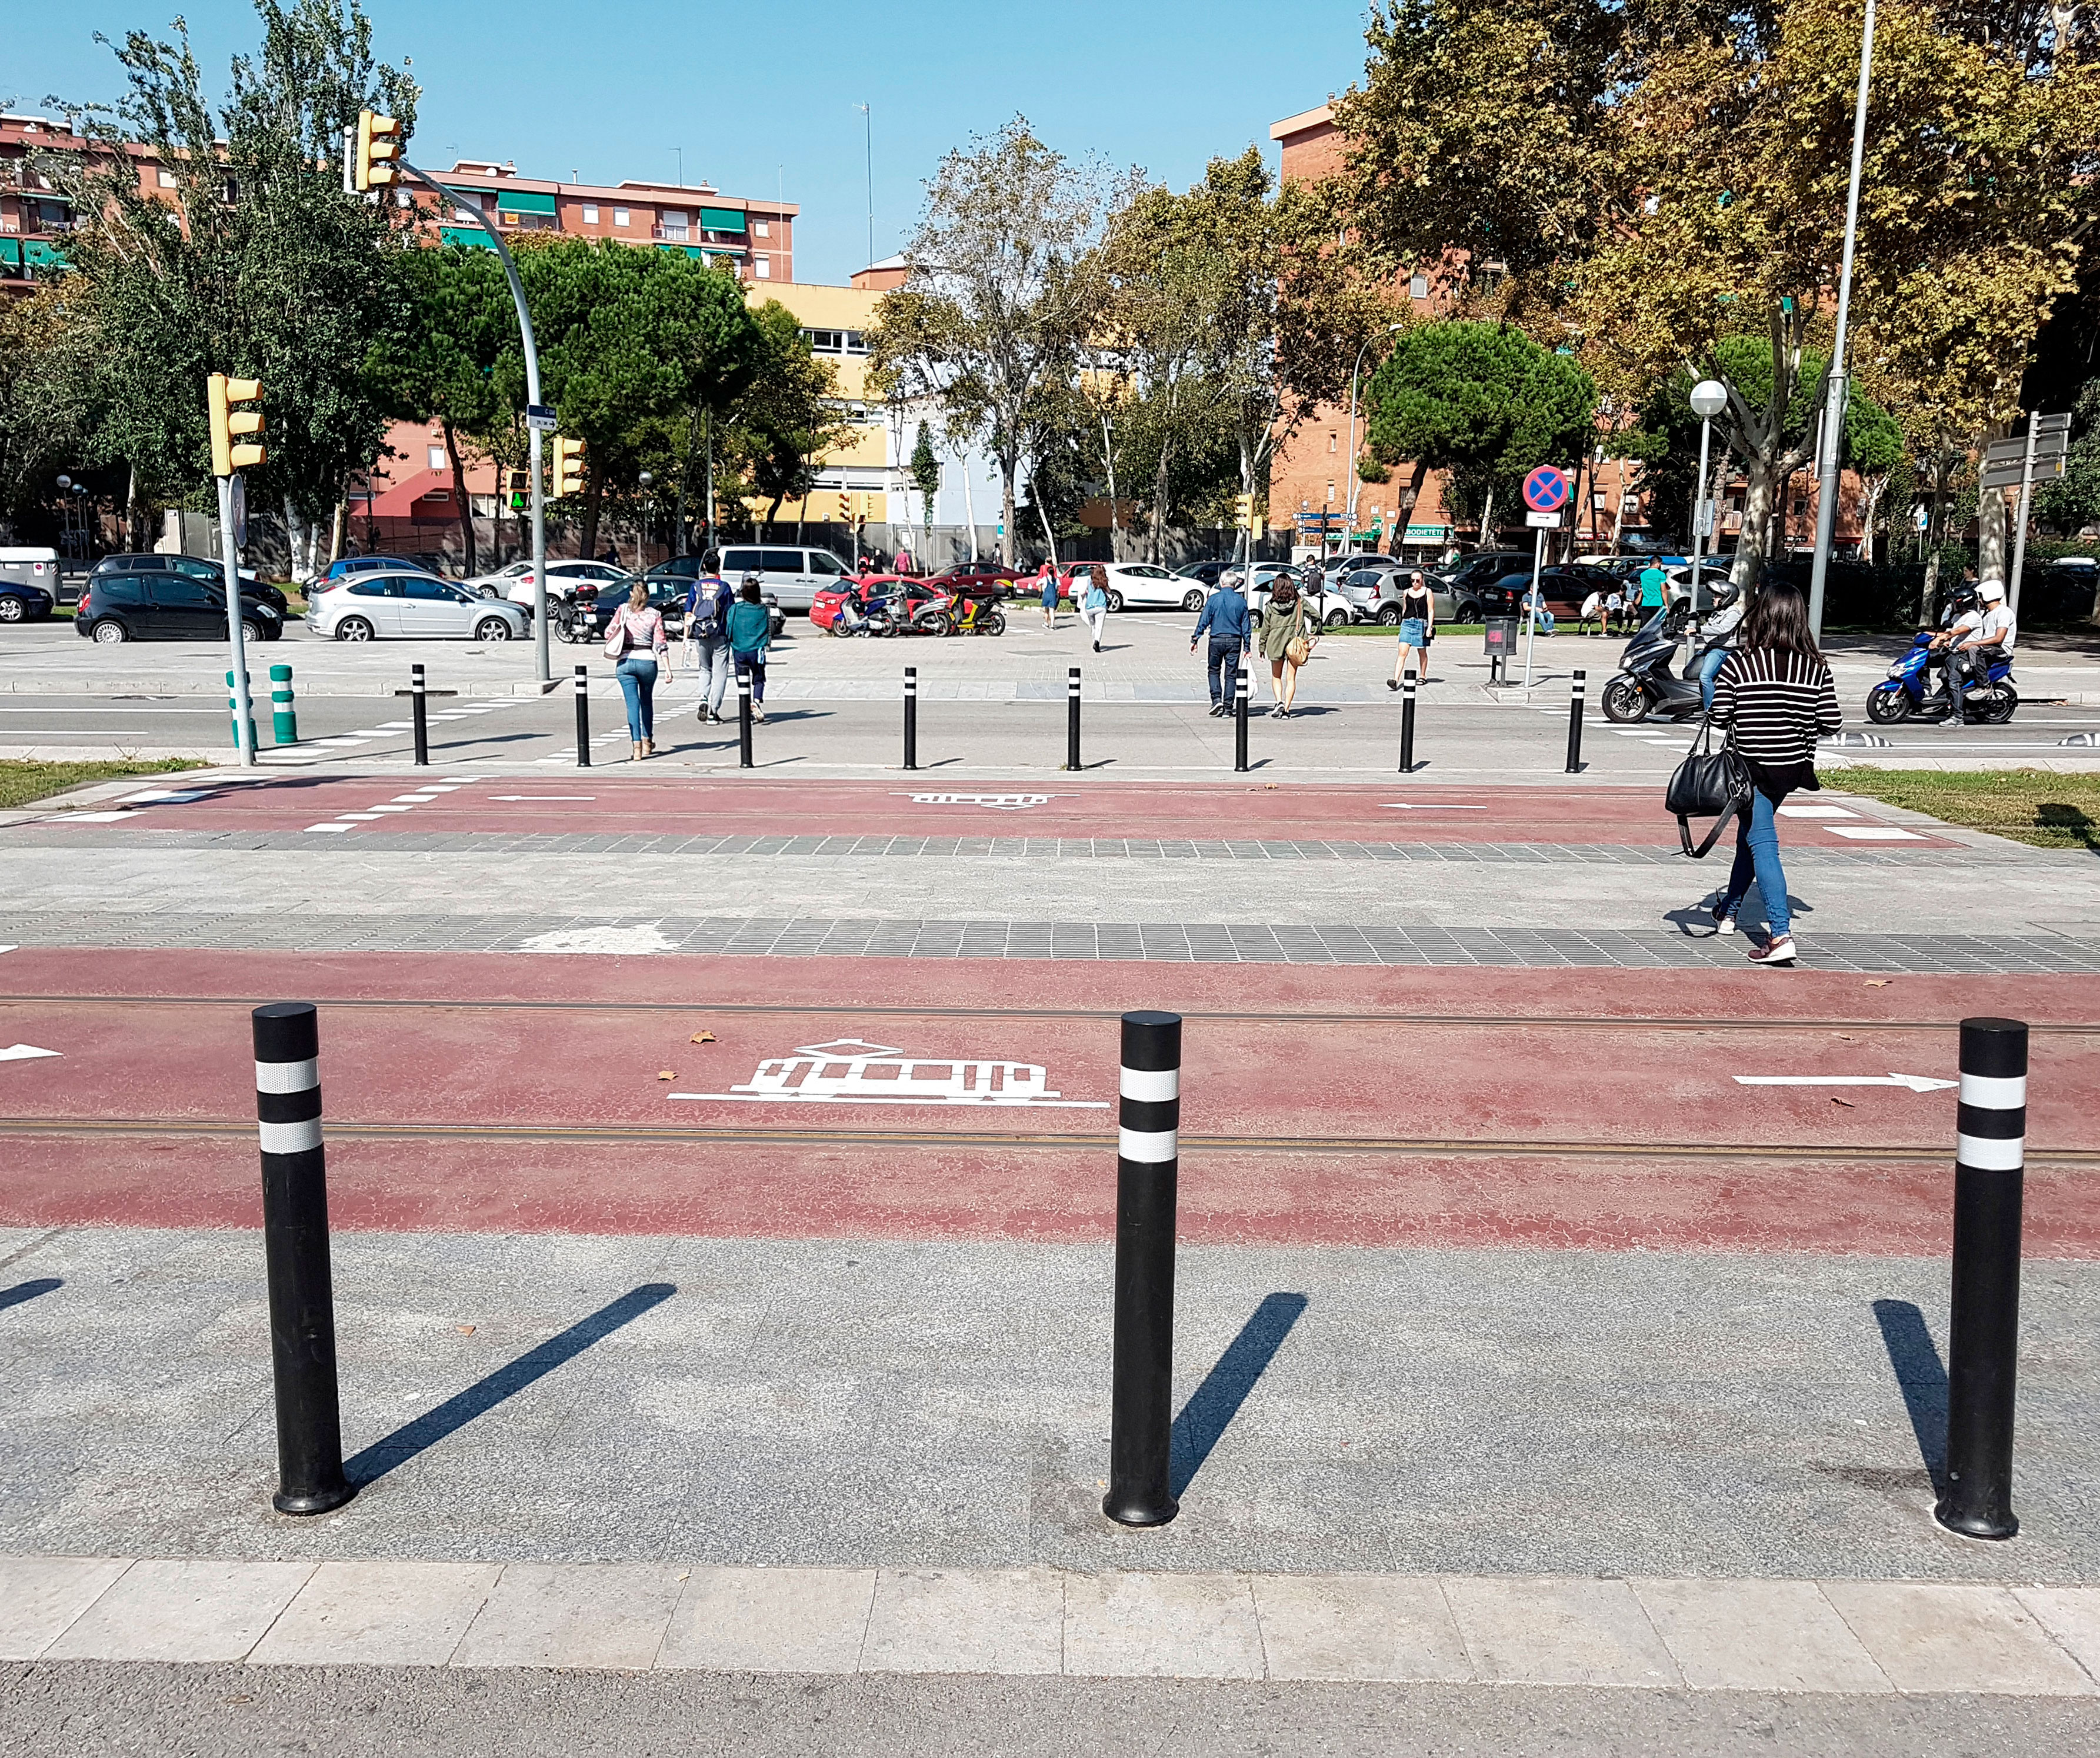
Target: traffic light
[[518, 485], [1243, 511], [226, 421], [568, 465], [863, 503], [379, 147], [845, 508]]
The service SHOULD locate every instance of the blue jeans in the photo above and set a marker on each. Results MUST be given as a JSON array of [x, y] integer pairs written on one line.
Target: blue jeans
[[752, 665], [1709, 669], [1757, 853], [1224, 670], [637, 683]]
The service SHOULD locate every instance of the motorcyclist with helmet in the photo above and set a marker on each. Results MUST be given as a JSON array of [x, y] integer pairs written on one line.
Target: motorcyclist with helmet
[[1979, 637], [1718, 632]]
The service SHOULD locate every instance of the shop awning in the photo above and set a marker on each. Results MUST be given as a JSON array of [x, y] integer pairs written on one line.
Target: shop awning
[[10, 251], [38, 254], [469, 237], [721, 219], [524, 202]]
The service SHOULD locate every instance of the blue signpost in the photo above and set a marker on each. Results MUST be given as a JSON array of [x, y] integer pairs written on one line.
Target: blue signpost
[[1547, 492]]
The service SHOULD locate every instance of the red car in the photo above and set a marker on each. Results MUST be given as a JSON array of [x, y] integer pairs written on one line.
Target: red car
[[981, 579], [824, 607]]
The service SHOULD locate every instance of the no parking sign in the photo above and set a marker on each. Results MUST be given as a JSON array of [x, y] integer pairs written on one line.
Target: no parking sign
[[1545, 490]]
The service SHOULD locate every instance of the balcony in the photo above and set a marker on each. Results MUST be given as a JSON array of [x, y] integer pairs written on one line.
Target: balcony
[[680, 234]]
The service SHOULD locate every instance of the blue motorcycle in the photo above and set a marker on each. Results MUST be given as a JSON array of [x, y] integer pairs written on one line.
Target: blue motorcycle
[[1919, 687]]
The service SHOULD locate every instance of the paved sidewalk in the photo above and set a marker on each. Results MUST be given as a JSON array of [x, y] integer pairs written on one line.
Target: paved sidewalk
[[1864, 1637]]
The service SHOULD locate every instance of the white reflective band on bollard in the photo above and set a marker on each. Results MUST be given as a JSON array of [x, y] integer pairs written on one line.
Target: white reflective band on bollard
[[1994, 1091], [1987, 1153], [291, 1137], [1151, 1084], [288, 1077], [1148, 1147]]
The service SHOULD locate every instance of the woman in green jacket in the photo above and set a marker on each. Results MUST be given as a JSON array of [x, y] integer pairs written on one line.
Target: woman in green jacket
[[1285, 636], [750, 634]]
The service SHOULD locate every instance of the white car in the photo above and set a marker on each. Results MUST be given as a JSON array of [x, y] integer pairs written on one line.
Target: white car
[[380, 607], [1133, 584], [515, 584]]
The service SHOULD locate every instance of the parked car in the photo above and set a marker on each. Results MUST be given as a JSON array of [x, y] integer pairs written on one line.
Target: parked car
[[383, 607], [2062, 590], [980, 578], [1373, 596], [344, 566], [868, 591], [793, 575], [166, 604], [514, 584], [197, 567], [1135, 585], [667, 595], [1327, 606], [1204, 573], [1339, 568], [22, 603]]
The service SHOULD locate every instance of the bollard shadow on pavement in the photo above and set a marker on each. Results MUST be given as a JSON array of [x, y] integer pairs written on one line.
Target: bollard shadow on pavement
[[1212, 1406], [28, 1291], [434, 1425], [1921, 1378]]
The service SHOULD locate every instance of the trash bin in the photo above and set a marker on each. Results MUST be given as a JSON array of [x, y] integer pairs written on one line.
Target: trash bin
[[1501, 643]]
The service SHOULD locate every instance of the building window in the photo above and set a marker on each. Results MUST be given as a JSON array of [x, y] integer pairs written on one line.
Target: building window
[[1418, 287], [1330, 494], [590, 214], [762, 228], [762, 268], [836, 340], [671, 225], [619, 216], [1330, 443], [436, 454], [167, 178]]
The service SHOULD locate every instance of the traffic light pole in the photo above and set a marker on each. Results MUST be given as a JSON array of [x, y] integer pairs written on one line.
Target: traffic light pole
[[472, 210], [243, 723]]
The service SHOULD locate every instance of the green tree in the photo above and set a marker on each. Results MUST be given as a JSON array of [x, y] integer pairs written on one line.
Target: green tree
[[44, 378], [788, 417], [1481, 400], [438, 359], [926, 479], [253, 263]]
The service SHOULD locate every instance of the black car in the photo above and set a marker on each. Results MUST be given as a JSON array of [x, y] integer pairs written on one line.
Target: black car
[[1206, 572], [166, 604], [21, 602], [197, 567], [667, 595]]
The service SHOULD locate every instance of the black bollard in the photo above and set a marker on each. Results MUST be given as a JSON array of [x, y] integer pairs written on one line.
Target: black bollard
[[1240, 718], [295, 1249], [419, 711], [1982, 1340], [912, 717], [1147, 1149], [582, 717], [1575, 725], [1407, 723], [744, 760], [1072, 717]]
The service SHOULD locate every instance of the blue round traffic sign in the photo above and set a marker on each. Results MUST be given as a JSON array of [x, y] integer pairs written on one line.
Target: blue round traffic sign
[[1545, 490]]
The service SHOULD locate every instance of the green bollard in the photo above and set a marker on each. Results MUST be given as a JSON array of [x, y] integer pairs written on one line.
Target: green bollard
[[284, 717], [233, 717]]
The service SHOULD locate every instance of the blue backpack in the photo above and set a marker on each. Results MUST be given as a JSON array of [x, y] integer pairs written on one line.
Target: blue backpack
[[705, 613]]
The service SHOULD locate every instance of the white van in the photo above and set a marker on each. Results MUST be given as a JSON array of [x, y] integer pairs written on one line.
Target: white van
[[33, 568], [793, 575]]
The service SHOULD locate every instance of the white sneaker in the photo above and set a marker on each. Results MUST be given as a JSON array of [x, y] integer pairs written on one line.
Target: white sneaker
[[1777, 952]]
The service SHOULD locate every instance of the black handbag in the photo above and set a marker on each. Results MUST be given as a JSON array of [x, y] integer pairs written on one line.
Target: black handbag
[[1708, 782]]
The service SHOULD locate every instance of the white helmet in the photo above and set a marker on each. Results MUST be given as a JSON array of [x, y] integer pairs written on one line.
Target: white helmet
[[1990, 591]]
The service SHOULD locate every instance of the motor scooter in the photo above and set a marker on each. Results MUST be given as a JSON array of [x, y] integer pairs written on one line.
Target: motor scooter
[[1911, 691], [1645, 685]]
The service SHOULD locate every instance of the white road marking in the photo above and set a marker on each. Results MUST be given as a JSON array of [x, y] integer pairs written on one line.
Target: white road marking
[[390, 808], [1410, 806], [23, 1053], [852, 1071], [605, 938], [90, 818], [1874, 833], [543, 796], [1916, 1083], [358, 818], [332, 829], [998, 802], [1815, 811]]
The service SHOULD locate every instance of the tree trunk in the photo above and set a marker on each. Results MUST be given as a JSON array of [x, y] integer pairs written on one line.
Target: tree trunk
[[459, 494], [1049, 537], [1750, 540], [1159, 480], [773, 513], [1993, 521], [1487, 519], [969, 507], [1008, 469], [1108, 465], [335, 531]]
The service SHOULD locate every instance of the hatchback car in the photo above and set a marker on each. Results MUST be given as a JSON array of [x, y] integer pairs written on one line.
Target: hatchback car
[[166, 605], [21, 602], [1134, 586], [384, 606], [197, 567], [343, 566]]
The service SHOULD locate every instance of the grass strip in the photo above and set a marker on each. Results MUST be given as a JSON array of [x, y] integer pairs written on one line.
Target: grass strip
[[22, 782], [2042, 810]]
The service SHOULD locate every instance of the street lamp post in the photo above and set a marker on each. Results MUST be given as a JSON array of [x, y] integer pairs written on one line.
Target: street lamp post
[[1709, 397], [1834, 399], [1389, 329]]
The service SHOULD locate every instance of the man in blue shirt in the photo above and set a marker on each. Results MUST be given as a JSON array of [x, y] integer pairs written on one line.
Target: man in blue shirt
[[1225, 616]]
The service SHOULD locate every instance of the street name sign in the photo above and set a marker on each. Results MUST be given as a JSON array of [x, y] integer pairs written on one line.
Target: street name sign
[[540, 417]]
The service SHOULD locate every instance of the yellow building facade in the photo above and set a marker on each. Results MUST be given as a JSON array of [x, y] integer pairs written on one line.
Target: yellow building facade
[[836, 321]]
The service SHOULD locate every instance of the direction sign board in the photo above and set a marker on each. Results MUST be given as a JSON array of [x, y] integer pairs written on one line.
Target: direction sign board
[[2012, 474], [2050, 424], [1999, 450], [1543, 521], [540, 417], [1545, 490]]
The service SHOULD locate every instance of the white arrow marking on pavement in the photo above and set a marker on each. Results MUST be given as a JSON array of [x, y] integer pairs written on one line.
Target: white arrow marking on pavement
[[1916, 1083], [1409, 805], [543, 796], [23, 1053]]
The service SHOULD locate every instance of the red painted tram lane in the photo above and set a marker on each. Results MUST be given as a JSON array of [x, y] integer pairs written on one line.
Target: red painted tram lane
[[597, 803], [1353, 1106]]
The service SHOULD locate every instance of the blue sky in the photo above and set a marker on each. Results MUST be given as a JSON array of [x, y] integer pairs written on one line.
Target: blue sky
[[760, 97]]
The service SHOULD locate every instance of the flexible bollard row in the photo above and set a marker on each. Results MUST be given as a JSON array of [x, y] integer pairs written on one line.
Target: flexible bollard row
[[1407, 723], [295, 1248], [1575, 723], [743, 757], [582, 717], [1148, 1168], [419, 713], [1240, 706], [233, 715], [1983, 1338], [284, 717], [1072, 718], [912, 717]]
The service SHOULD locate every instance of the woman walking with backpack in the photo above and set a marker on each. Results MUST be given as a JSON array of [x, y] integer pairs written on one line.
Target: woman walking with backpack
[[1774, 694], [635, 640]]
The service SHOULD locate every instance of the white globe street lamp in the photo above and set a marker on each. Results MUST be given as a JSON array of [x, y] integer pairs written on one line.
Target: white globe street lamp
[[1709, 397]]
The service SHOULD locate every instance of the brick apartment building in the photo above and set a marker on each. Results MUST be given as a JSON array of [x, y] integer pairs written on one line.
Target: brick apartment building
[[1310, 475]]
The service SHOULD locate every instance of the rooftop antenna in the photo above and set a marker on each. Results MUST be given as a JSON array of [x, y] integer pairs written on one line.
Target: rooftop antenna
[[868, 122]]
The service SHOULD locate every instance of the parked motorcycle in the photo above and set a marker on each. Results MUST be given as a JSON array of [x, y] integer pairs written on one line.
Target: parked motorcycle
[[1913, 691], [1645, 685], [973, 616]]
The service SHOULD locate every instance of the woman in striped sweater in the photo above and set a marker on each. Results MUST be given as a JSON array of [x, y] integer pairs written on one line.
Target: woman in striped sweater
[[1775, 695]]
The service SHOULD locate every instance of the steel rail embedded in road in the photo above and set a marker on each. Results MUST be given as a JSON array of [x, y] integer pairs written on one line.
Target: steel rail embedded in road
[[590, 1135]]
